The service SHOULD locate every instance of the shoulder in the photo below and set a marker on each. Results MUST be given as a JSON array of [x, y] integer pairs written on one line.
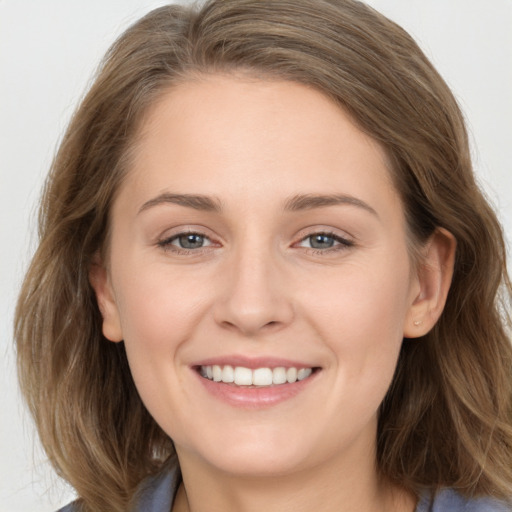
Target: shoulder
[[155, 494], [448, 500]]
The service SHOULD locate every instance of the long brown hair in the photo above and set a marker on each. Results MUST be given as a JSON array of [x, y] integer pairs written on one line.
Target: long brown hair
[[447, 418]]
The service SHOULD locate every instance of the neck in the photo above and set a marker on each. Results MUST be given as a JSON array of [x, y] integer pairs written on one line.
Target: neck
[[330, 487]]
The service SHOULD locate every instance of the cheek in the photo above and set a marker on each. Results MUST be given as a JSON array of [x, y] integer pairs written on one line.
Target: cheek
[[158, 310], [363, 300], [159, 313], [361, 320]]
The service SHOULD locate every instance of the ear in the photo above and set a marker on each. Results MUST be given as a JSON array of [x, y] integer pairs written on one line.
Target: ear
[[100, 281], [434, 277]]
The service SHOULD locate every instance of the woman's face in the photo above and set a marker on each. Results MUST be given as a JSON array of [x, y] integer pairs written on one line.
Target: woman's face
[[258, 236]]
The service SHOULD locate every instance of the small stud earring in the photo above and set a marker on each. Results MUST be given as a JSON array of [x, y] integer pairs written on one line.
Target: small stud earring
[[418, 322]]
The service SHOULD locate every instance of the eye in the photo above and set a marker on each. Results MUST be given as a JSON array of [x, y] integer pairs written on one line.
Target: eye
[[186, 241], [324, 242]]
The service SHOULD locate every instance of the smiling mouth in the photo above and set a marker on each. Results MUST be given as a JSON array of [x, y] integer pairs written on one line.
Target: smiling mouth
[[258, 377]]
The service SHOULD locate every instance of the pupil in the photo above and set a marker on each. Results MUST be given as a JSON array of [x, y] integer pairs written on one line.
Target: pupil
[[321, 241], [191, 241]]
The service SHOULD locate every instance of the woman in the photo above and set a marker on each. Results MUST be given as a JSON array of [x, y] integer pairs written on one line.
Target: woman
[[266, 276]]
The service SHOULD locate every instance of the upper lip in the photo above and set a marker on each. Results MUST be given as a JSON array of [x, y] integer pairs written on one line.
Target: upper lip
[[253, 362]]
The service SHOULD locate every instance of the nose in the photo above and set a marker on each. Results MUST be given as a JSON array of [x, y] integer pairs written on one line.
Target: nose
[[254, 296]]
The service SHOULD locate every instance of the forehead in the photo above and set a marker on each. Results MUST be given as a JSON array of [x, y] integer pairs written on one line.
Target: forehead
[[236, 134]]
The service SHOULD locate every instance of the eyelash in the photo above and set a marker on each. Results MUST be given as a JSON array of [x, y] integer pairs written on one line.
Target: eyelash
[[167, 243], [341, 243]]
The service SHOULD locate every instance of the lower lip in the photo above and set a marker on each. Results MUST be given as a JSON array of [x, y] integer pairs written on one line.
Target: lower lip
[[255, 397]]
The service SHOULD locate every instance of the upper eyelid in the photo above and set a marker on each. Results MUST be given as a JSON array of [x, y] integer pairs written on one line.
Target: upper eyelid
[[324, 230], [303, 233], [189, 230], [328, 234]]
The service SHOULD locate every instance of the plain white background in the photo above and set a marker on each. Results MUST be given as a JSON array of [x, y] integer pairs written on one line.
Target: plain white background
[[48, 53]]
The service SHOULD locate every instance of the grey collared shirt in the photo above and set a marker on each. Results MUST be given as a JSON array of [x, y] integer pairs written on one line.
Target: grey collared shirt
[[157, 494]]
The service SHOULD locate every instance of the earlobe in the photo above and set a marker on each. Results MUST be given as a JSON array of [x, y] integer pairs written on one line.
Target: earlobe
[[100, 281], [434, 277]]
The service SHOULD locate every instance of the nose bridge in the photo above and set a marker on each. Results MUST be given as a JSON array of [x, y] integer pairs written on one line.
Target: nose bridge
[[254, 293]]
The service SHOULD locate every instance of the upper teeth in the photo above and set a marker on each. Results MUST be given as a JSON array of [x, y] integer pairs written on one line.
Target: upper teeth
[[242, 376]]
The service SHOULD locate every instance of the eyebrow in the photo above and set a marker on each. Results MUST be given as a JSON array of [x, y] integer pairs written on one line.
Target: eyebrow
[[195, 201], [294, 204], [311, 201]]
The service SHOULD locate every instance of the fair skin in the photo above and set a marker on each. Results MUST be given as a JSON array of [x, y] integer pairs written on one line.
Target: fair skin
[[256, 274]]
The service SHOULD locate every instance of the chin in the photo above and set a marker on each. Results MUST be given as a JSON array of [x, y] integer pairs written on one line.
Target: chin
[[260, 457], [260, 465]]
